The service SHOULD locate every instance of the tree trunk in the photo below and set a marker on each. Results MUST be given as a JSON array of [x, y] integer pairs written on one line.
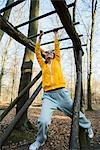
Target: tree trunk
[[82, 135], [74, 19], [26, 69], [89, 90]]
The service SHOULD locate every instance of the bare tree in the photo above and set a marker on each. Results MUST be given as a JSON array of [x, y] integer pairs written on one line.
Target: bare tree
[[6, 15], [14, 75], [26, 69], [3, 62], [89, 88]]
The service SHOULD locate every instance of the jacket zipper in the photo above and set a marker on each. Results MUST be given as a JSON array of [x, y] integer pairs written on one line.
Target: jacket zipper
[[51, 76]]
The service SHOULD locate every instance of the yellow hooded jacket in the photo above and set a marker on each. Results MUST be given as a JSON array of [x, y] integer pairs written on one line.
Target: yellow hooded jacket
[[52, 77]]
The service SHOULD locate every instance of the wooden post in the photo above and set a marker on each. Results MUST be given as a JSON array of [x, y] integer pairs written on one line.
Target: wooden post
[[65, 18]]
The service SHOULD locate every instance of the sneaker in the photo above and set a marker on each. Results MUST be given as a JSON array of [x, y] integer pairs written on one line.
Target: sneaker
[[90, 133], [35, 146]]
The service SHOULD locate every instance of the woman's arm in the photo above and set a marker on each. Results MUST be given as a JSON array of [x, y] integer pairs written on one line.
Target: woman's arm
[[57, 48], [38, 51]]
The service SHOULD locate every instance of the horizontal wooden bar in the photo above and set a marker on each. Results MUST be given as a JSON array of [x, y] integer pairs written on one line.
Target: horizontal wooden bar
[[20, 96], [59, 40], [33, 36], [40, 17], [13, 123], [36, 18], [17, 35], [11, 5], [64, 48], [62, 10]]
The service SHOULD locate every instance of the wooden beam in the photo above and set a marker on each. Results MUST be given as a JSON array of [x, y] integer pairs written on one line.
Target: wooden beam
[[14, 102], [74, 137], [17, 35], [65, 17], [63, 12], [70, 47], [40, 17], [67, 38], [14, 33], [36, 18], [13, 123], [49, 31], [11, 5]]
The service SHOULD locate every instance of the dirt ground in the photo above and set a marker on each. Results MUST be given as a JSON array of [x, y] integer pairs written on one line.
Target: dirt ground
[[59, 131]]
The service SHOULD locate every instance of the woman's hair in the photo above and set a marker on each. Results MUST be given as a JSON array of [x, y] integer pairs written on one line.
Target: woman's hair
[[50, 51]]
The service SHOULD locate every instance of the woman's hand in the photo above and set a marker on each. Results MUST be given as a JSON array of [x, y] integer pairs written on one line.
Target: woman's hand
[[41, 34], [55, 32]]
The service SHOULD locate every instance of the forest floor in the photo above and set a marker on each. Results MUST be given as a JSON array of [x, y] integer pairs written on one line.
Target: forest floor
[[58, 135]]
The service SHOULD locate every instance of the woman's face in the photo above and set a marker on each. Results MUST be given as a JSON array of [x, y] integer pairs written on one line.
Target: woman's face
[[49, 56]]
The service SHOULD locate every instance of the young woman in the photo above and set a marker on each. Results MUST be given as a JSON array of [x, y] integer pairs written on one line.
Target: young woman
[[55, 96]]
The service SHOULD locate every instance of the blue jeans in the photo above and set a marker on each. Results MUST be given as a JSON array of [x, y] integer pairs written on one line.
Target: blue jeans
[[59, 99]]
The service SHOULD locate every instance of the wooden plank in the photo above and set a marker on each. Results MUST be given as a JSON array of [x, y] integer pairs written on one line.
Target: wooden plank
[[11, 126], [63, 12], [49, 31], [14, 33], [14, 102], [36, 18], [67, 38], [65, 17], [40, 17]]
